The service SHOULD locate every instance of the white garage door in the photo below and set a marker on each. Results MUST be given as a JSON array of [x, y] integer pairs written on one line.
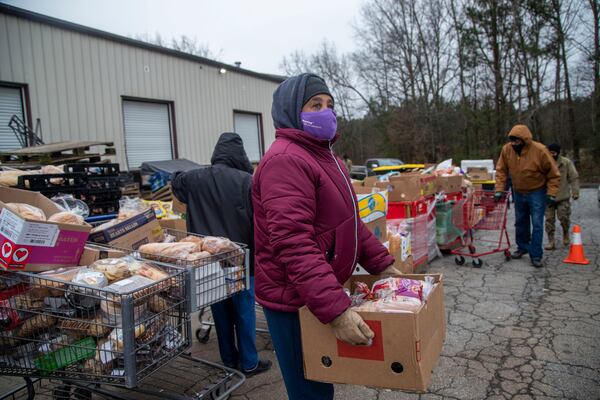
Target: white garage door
[[147, 132], [11, 103], [248, 127]]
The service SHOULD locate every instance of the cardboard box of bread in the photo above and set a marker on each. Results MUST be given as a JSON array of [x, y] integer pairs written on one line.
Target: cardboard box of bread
[[407, 316], [135, 225], [36, 235], [72, 317]]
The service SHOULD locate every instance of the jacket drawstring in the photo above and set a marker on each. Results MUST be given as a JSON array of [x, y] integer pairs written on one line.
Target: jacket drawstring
[[353, 205]]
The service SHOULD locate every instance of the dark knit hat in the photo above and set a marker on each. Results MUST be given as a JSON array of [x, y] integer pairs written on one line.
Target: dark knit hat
[[555, 147], [314, 85]]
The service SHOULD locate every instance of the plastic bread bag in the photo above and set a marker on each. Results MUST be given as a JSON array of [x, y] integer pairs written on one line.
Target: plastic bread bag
[[175, 250], [27, 211], [392, 287], [131, 206], [70, 204], [52, 283], [113, 268], [54, 170], [86, 298]]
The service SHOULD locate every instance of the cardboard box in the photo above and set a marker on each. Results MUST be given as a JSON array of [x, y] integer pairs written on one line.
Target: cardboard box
[[403, 259], [178, 206], [132, 233], [409, 187], [449, 184], [372, 206], [479, 174], [37, 245], [404, 352], [178, 224], [92, 253], [379, 228], [370, 181]]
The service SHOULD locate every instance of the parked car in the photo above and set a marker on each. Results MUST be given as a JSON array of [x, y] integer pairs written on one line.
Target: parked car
[[358, 172], [382, 162]]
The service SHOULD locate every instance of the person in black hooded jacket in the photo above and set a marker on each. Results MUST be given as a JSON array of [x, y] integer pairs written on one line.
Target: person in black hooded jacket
[[218, 200]]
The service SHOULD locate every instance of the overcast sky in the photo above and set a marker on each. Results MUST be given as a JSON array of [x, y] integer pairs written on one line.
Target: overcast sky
[[256, 32]]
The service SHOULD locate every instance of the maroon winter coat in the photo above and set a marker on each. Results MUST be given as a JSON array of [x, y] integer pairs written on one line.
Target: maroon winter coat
[[308, 234]]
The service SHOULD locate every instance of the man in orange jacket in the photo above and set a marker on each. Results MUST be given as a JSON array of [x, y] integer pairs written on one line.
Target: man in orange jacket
[[535, 181]]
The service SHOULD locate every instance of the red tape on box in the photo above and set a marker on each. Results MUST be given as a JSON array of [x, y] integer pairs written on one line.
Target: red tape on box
[[373, 352]]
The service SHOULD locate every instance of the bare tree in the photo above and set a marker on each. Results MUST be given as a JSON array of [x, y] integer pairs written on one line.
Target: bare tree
[[184, 44]]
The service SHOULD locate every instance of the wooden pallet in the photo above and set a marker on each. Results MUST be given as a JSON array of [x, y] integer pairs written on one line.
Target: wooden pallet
[[56, 153]]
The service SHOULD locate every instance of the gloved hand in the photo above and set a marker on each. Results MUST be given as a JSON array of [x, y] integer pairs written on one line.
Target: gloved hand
[[497, 196], [391, 271], [349, 327], [551, 199], [575, 197]]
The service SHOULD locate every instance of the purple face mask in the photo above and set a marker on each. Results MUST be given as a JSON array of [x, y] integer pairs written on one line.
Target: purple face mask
[[320, 124]]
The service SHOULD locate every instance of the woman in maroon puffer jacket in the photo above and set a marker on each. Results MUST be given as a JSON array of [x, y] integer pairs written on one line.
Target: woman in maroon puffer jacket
[[308, 234]]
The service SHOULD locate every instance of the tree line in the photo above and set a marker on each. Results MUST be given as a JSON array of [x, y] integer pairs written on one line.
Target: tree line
[[434, 79]]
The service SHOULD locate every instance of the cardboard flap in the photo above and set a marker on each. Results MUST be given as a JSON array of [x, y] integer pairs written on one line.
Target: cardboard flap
[[10, 195]]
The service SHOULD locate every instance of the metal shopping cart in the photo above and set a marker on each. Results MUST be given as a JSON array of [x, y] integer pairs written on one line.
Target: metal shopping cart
[[484, 223], [74, 341]]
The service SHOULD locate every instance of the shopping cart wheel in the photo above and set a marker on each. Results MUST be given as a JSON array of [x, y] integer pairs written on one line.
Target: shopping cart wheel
[[477, 263], [507, 255], [459, 260], [203, 334], [216, 395]]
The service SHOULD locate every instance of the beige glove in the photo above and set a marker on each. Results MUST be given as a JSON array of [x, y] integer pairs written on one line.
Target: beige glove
[[349, 327], [391, 271]]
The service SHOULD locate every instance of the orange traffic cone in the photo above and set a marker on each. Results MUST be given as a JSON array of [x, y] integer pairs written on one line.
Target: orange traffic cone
[[576, 255]]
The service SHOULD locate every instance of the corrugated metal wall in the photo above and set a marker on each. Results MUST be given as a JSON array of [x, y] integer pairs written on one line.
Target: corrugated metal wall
[[76, 83]]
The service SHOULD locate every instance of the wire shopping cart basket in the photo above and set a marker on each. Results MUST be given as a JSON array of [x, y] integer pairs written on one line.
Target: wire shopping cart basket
[[484, 223], [81, 340]]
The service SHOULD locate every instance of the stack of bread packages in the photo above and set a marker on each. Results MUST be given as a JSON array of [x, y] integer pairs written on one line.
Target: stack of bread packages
[[72, 318], [37, 214], [197, 252]]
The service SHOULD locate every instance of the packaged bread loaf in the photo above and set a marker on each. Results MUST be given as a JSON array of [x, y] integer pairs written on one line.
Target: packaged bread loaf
[[67, 217], [113, 268], [52, 283], [11, 178], [202, 255], [170, 250], [193, 239], [216, 245], [27, 211], [36, 325], [152, 272]]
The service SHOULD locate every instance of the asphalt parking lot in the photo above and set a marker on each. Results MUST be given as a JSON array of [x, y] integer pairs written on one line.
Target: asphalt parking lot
[[514, 332]]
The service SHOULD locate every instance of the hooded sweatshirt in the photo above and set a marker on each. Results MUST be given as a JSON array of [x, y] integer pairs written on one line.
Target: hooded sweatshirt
[[531, 170], [218, 198], [308, 233]]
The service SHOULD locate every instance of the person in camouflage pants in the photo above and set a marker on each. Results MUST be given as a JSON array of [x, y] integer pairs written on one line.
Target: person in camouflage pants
[[561, 208]]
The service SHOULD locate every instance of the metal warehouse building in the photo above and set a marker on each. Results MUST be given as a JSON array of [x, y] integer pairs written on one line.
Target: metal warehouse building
[[153, 103]]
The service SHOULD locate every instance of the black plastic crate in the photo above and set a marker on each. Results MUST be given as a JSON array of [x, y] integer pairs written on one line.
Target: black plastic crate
[[102, 183], [50, 184], [94, 170], [111, 207], [92, 197]]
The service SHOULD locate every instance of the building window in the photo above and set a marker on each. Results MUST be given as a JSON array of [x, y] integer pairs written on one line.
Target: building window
[[149, 132], [12, 102], [249, 127]]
